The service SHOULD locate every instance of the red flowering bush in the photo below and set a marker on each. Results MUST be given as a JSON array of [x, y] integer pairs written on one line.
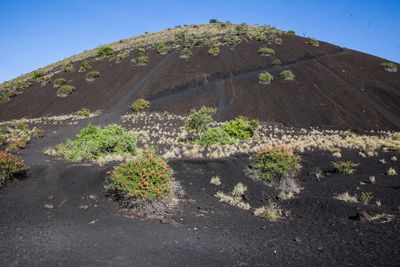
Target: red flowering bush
[[148, 178], [10, 165]]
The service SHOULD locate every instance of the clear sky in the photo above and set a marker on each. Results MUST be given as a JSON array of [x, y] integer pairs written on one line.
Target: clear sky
[[34, 33]]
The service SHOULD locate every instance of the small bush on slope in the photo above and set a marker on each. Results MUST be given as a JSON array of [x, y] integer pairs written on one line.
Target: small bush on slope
[[199, 120], [92, 75], [291, 32], [287, 75], [214, 136], [65, 90], [149, 178], [266, 51], [37, 75], [85, 66], [163, 48], [265, 77], [140, 60], [59, 81], [274, 163], [276, 62], [84, 113], [390, 67], [140, 105], [313, 42], [10, 166], [104, 51], [185, 53], [67, 67], [95, 143], [213, 51], [345, 167]]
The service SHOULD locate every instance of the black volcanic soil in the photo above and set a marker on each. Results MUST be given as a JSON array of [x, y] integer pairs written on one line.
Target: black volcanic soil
[[334, 87]]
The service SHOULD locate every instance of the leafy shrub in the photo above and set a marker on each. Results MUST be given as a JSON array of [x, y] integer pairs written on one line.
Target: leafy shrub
[[67, 67], [212, 136], [21, 83], [37, 133], [287, 75], [95, 143], [265, 77], [85, 66], [3, 96], [241, 128], [140, 105], [92, 75], [149, 178], [313, 42], [366, 197], [121, 56], [389, 66], [345, 167], [162, 48], [84, 113], [10, 166], [199, 120], [37, 75], [272, 164], [65, 90], [213, 51], [141, 50], [276, 62], [266, 51], [59, 81], [104, 51], [140, 60], [186, 52], [271, 211], [212, 21], [291, 32]]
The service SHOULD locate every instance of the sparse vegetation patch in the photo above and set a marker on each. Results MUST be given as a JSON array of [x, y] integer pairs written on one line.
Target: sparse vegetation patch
[[59, 82], [104, 51], [140, 60], [265, 77], [287, 75], [266, 51], [214, 51], [65, 90], [389, 66], [85, 66], [140, 105], [10, 166], [313, 42], [92, 75], [345, 167]]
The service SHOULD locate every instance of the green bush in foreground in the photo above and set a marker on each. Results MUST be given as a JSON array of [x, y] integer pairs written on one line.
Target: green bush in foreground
[[266, 51], [287, 75], [104, 51], [140, 60], [272, 164], [198, 120], [95, 143], [345, 167], [140, 105], [10, 166], [265, 77], [389, 66], [148, 178], [65, 90]]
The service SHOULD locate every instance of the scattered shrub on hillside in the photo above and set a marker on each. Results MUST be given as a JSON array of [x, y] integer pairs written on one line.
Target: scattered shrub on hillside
[[389, 66], [37, 133], [10, 166], [121, 56], [3, 96], [141, 50], [185, 53], [148, 177], [212, 136], [287, 75], [235, 198], [85, 66], [273, 163], [59, 81], [37, 75], [92, 75], [345, 167], [313, 42], [84, 113], [140, 60], [163, 48], [65, 90], [95, 143], [199, 120], [241, 128], [265, 77], [140, 105], [291, 32], [366, 197], [266, 51], [67, 67], [213, 51], [346, 197], [21, 83], [212, 21], [104, 51], [271, 211], [276, 62]]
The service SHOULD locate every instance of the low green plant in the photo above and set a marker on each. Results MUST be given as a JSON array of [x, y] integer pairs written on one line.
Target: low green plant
[[65, 90], [271, 211], [291, 32], [67, 67], [92, 75], [186, 52], [59, 81], [10, 166], [366, 197], [140, 60], [212, 136], [313, 42], [214, 51], [273, 163], [140, 105], [95, 143], [163, 48], [276, 62], [345, 167], [287, 75], [85, 66], [37, 75], [199, 120], [265, 77], [121, 56], [148, 177], [84, 113], [141, 50], [213, 21], [104, 51], [21, 83], [266, 51], [389, 66], [241, 128], [3, 96]]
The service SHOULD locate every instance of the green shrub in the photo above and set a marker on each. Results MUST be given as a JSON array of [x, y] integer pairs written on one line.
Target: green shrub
[[59, 81], [345, 167], [104, 51], [67, 67], [121, 56], [84, 113], [366, 197], [141, 50], [212, 21], [276, 62], [140, 60], [213, 51], [3, 96], [21, 83], [272, 164], [213, 136], [140, 105], [186, 53], [37, 75], [266, 51], [265, 77], [199, 120], [241, 128], [92, 75], [65, 90], [162, 48], [291, 32], [389, 66], [85, 66], [287, 75], [10, 166], [148, 178], [95, 143], [313, 42]]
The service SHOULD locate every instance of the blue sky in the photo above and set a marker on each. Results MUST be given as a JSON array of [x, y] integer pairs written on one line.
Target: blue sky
[[35, 33]]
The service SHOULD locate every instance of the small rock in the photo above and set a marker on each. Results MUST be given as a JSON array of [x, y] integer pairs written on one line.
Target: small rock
[[48, 206], [297, 240], [83, 207], [50, 197], [92, 222], [168, 221], [92, 197]]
